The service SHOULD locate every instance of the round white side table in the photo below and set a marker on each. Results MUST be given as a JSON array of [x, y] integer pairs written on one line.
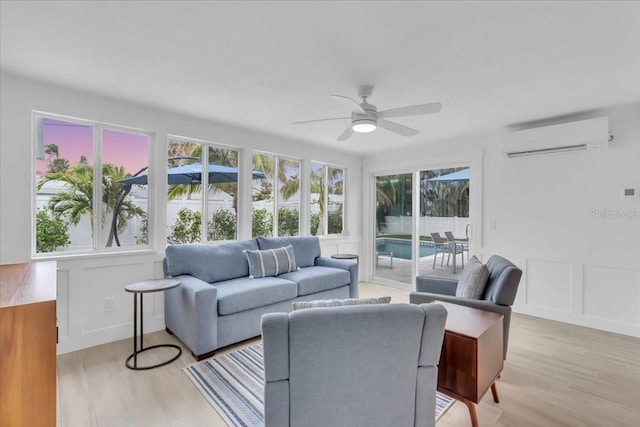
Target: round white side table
[[141, 288]]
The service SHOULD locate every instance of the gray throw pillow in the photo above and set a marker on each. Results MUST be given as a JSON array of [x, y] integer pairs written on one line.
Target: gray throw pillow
[[473, 279], [271, 262], [299, 305]]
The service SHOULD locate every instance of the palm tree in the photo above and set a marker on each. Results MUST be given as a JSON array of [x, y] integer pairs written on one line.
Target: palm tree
[[77, 201], [58, 165], [334, 186], [52, 151], [122, 207], [218, 156]]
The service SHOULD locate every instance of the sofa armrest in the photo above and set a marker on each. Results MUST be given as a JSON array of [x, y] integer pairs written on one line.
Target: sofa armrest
[[351, 267], [436, 285], [191, 313]]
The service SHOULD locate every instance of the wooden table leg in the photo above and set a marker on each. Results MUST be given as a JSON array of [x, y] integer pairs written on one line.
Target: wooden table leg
[[494, 391], [472, 412]]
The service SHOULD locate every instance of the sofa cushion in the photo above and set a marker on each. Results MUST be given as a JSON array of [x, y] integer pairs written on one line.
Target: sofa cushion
[[300, 305], [271, 262], [306, 249], [210, 263], [317, 279], [473, 279], [244, 294]]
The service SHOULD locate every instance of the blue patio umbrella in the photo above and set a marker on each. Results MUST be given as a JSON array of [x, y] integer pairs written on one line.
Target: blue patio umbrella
[[461, 175], [179, 175], [192, 174]]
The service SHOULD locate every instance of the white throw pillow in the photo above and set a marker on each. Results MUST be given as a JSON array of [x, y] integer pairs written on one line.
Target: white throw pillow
[[473, 279]]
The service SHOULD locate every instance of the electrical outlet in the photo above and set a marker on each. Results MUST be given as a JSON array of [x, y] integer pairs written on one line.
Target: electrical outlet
[[109, 304]]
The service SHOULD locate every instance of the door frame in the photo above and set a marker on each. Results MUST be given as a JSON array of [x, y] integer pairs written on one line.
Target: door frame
[[473, 159]]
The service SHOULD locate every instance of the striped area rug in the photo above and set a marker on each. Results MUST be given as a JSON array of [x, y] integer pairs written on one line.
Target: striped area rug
[[233, 384]]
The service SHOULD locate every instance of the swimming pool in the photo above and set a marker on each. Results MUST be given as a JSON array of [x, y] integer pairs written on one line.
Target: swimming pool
[[401, 248]]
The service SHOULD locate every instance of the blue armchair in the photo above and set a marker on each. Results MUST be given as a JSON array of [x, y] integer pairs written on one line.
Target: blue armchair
[[365, 365], [498, 296]]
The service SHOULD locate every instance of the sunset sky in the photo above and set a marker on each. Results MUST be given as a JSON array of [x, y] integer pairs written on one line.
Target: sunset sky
[[75, 140]]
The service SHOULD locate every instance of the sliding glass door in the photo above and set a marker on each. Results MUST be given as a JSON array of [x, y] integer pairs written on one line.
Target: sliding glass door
[[437, 242], [393, 227], [443, 221]]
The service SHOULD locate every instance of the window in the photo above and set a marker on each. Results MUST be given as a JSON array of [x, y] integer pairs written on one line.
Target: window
[[280, 189], [201, 206], [327, 199], [77, 210]]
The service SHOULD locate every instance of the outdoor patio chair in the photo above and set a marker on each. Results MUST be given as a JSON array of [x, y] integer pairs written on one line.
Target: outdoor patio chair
[[440, 246], [462, 243], [384, 254]]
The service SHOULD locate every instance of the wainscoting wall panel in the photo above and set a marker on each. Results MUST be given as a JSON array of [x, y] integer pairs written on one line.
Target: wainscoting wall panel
[[604, 287], [103, 282], [548, 284]]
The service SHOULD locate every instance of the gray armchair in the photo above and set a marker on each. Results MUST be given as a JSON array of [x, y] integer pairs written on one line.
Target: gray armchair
[[498, 296], [363, 365]]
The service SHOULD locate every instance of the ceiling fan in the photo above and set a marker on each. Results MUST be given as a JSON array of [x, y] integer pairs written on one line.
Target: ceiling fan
[[366, 118]]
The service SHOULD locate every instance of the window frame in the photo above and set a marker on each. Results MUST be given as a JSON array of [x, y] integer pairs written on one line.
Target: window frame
[[276, 194], [326, 166], [98, 241], [204, 185]]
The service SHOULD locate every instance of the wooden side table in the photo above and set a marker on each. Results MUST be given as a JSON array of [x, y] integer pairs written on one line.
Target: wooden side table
[[141, 288], [472, 355]]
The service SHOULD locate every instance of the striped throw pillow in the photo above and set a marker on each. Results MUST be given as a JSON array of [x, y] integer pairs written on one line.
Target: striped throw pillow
[[271, 262], [299, 305]]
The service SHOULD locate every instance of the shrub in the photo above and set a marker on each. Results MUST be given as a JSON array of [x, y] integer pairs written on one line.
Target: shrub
[[51, 233], [262, 223], [335, 222], [187, 227], [288, 222], [315, 222], [222, 225], [143, 239]]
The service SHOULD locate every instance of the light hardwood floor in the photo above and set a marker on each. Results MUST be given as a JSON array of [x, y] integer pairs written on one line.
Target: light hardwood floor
[[555, 375]]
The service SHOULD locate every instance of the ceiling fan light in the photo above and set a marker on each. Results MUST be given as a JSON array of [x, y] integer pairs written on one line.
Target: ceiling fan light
[[364, 125]]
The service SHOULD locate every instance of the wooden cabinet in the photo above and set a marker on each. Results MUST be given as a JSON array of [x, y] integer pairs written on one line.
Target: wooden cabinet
[[28, 344], [471, 356]]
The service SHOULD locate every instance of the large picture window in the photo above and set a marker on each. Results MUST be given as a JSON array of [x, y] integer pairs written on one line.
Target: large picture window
[[202, 198], [276, 198], [78, 210], [327, 199]]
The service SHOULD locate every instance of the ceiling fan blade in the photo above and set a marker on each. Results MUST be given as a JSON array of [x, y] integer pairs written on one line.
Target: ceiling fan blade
[[397, 128], [320, 120], [352, 104], [345, 135], [413, 110]]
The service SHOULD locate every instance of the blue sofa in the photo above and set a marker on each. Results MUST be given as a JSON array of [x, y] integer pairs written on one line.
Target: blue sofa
[[218, 304]]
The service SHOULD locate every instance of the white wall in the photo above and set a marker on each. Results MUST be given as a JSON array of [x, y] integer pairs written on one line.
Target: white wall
[[84, 281], [542, 213]]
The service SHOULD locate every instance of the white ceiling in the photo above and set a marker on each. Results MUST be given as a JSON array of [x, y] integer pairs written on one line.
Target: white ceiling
[[263, 65]]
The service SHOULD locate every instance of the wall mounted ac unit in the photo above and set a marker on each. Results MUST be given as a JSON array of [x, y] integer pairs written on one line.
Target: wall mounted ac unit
[[573, 136]]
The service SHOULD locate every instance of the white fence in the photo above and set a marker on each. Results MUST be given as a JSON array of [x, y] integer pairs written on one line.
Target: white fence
[[428, 224]]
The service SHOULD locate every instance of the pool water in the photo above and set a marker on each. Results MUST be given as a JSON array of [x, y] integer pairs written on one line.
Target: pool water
[[401, 248]]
